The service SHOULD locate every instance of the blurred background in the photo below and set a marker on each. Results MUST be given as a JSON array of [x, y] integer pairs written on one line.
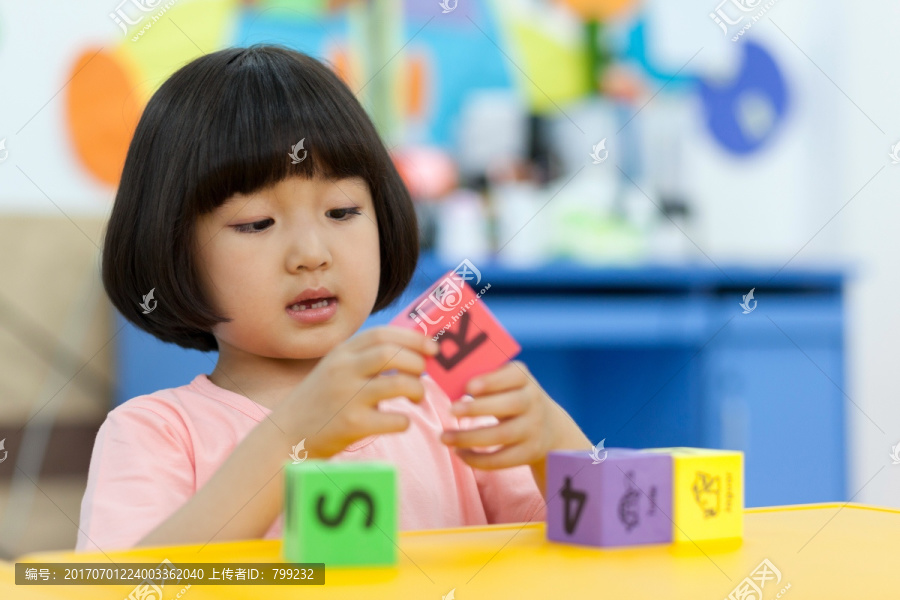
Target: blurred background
[[684, 208]]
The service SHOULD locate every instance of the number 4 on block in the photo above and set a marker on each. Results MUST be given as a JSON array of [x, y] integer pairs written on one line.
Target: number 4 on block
[[624, 500]]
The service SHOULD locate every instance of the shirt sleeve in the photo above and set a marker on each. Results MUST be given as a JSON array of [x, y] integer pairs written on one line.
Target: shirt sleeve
[[141, 472]]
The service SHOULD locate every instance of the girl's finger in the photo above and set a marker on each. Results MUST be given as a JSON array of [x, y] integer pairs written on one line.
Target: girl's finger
[[511, 431], [385, 387], [506, 404], [387, 421], [414, 340], [510, 376], [387, 357]]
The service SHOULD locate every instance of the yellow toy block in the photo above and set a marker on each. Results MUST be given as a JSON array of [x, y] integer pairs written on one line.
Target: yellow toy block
[[708, 493]]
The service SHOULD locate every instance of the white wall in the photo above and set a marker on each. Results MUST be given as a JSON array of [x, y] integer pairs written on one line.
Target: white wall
[[870, 75], [37, 43]]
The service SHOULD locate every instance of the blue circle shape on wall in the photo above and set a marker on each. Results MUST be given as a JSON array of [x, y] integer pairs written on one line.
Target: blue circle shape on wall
[[746, 112]]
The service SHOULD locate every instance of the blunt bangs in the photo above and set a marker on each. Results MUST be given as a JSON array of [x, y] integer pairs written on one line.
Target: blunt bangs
[[225, 124]]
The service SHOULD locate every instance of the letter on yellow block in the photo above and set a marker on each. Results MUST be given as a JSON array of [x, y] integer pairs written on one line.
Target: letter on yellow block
[[708, 494]]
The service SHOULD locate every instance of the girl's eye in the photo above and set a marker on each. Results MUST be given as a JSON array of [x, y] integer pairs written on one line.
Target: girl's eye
[[340, 214], [254, 227]]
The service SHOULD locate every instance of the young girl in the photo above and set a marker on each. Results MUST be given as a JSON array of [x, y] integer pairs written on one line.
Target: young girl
[[274, 253]]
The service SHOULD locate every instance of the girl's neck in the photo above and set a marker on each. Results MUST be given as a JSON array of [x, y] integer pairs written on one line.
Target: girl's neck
[[266, 381]]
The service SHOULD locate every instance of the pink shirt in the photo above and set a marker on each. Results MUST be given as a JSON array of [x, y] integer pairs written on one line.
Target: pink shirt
[[153, 452]]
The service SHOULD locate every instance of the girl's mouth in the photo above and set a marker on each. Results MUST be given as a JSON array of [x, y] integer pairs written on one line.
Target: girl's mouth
[[316, 310], [309, 304]]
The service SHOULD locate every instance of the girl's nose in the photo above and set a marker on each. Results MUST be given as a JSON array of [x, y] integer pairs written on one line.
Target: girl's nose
[[307, 250]]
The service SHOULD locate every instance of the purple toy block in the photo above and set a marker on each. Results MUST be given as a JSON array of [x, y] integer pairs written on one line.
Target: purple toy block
[[625, 499]]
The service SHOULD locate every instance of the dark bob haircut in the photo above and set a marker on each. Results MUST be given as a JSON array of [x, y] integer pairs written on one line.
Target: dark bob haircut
[[224, 124]]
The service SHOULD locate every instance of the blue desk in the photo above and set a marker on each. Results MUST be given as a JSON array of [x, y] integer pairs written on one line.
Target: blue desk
[[654, 356]]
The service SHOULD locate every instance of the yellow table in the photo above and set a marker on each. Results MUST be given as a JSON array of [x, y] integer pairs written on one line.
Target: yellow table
[[821, 550]]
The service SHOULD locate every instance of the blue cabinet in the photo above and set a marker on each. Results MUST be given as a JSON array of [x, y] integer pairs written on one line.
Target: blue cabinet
[[654, 356], [773, 387]]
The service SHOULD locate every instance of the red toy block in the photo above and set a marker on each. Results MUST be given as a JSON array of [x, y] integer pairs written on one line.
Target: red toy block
[[472, 341]]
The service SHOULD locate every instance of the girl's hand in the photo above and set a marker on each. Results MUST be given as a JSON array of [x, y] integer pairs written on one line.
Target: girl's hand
[[531, 423], [337, 403]]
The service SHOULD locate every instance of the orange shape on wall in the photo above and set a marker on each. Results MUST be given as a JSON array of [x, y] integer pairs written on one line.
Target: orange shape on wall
[[597, 10], [100, 112], [339, 62], [416, 82]]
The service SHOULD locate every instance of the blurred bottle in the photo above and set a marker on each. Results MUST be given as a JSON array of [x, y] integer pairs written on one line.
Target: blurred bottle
[[521, 232], [462, 227], [492, 133]]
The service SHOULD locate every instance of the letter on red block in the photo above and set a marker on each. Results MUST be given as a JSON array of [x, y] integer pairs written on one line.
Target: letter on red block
[[472, 341]]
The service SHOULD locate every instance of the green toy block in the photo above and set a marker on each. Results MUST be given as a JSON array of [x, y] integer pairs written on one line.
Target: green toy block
[[340, 513]]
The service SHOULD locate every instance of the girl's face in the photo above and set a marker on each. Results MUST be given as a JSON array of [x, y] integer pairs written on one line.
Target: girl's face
[[258, 252]]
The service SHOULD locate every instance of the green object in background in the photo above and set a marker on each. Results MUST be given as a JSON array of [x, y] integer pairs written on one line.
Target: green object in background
[[596, 238], [305, 7], [340, 513], [378, 26], [599, 55]]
